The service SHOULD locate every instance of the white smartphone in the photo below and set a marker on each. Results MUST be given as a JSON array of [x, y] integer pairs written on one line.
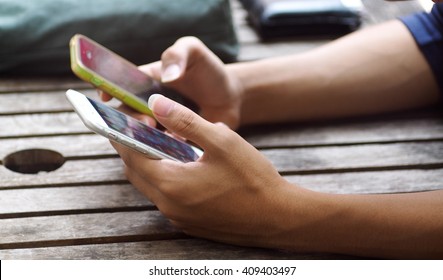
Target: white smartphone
[[130, 132]]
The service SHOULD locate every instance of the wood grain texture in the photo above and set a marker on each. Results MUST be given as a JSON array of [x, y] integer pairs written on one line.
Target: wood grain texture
[[27, 83], [70, 146], [76, 172], [42, 102], [415, 127], [65, 230], [76, 199], [356, 157], [286, 160], [181, 249], [111, 197], [40, 125]]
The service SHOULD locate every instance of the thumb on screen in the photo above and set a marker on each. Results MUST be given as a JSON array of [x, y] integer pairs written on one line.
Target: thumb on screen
[[181, 120]]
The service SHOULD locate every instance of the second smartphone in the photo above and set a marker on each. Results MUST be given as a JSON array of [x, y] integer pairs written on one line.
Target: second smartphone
[[111, 73]]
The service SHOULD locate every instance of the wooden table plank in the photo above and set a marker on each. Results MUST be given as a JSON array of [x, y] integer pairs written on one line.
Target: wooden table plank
[[42, 102], [29, 202], [40, 125], [94, 228], [356, 157], [14, 84], [415, 127], [390, 129], [299, 161], [66, 200], [110, 171], [287, 160], [195, 249], [70, 146], [75, 172]]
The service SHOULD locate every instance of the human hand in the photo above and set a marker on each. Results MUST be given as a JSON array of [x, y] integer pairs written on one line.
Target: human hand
[[231, 194], [192, 69]]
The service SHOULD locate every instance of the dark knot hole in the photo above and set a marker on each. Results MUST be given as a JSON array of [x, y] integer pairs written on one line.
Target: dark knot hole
[[34, 161]]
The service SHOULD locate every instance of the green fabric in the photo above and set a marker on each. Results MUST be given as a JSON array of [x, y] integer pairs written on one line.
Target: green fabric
[[34, 34]]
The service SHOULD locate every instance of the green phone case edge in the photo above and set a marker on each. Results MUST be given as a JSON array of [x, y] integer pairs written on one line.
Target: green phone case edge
[[114, 90]]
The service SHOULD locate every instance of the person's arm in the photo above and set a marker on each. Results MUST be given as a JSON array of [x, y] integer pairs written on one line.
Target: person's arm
[[378, 69], [375, 70], [399, 226], [233, 194]]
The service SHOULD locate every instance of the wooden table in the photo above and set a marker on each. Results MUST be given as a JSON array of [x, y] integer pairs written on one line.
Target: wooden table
[[86, 209]]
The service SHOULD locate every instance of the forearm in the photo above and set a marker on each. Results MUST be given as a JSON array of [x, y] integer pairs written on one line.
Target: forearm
[[386, 226], [378, 69]]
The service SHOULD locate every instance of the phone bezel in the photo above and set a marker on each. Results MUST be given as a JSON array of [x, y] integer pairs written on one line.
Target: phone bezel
[[92, 119]]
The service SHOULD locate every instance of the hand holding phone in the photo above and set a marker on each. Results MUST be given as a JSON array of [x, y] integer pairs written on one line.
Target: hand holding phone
[[130, 132]]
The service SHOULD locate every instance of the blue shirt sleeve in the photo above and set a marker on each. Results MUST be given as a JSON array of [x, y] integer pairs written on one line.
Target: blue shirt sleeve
[[427, 29]]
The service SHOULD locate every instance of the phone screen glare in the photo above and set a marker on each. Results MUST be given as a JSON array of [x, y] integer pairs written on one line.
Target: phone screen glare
[[116, 70]]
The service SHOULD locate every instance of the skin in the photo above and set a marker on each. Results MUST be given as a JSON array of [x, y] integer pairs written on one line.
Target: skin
[[233, 194]]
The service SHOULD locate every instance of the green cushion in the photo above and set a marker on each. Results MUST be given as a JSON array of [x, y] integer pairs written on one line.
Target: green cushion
[[34, 34]]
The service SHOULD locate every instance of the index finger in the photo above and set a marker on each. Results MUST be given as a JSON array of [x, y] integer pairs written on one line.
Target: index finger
[[154, 169], [105, 97]]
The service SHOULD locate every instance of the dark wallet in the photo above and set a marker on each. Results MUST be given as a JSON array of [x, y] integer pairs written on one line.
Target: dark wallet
[[281, 18]]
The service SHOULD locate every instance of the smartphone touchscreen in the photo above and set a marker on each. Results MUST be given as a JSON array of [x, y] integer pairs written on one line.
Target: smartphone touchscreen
[[149, 136], [116, 69]]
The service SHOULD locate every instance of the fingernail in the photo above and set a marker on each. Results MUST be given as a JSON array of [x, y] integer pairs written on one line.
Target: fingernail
[[162, 105], [171, 73]]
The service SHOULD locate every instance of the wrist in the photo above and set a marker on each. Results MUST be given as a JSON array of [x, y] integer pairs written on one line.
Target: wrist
[[272, 90], [303, 220], [248, 79]]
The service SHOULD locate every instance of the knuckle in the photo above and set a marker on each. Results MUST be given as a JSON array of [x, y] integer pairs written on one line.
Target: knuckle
[[173, 187], [193, 44], [190, 40], [170, 190], [166, 185], [186, 123], [164, 188], [190, 43], [170, 53], [225, 138]]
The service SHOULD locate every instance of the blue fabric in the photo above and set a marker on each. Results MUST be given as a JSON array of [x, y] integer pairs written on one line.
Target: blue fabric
[[427, 29]]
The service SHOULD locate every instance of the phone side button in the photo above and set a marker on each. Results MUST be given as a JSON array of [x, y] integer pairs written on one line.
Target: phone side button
[[140, 149], [112, 136], [96, 81]]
